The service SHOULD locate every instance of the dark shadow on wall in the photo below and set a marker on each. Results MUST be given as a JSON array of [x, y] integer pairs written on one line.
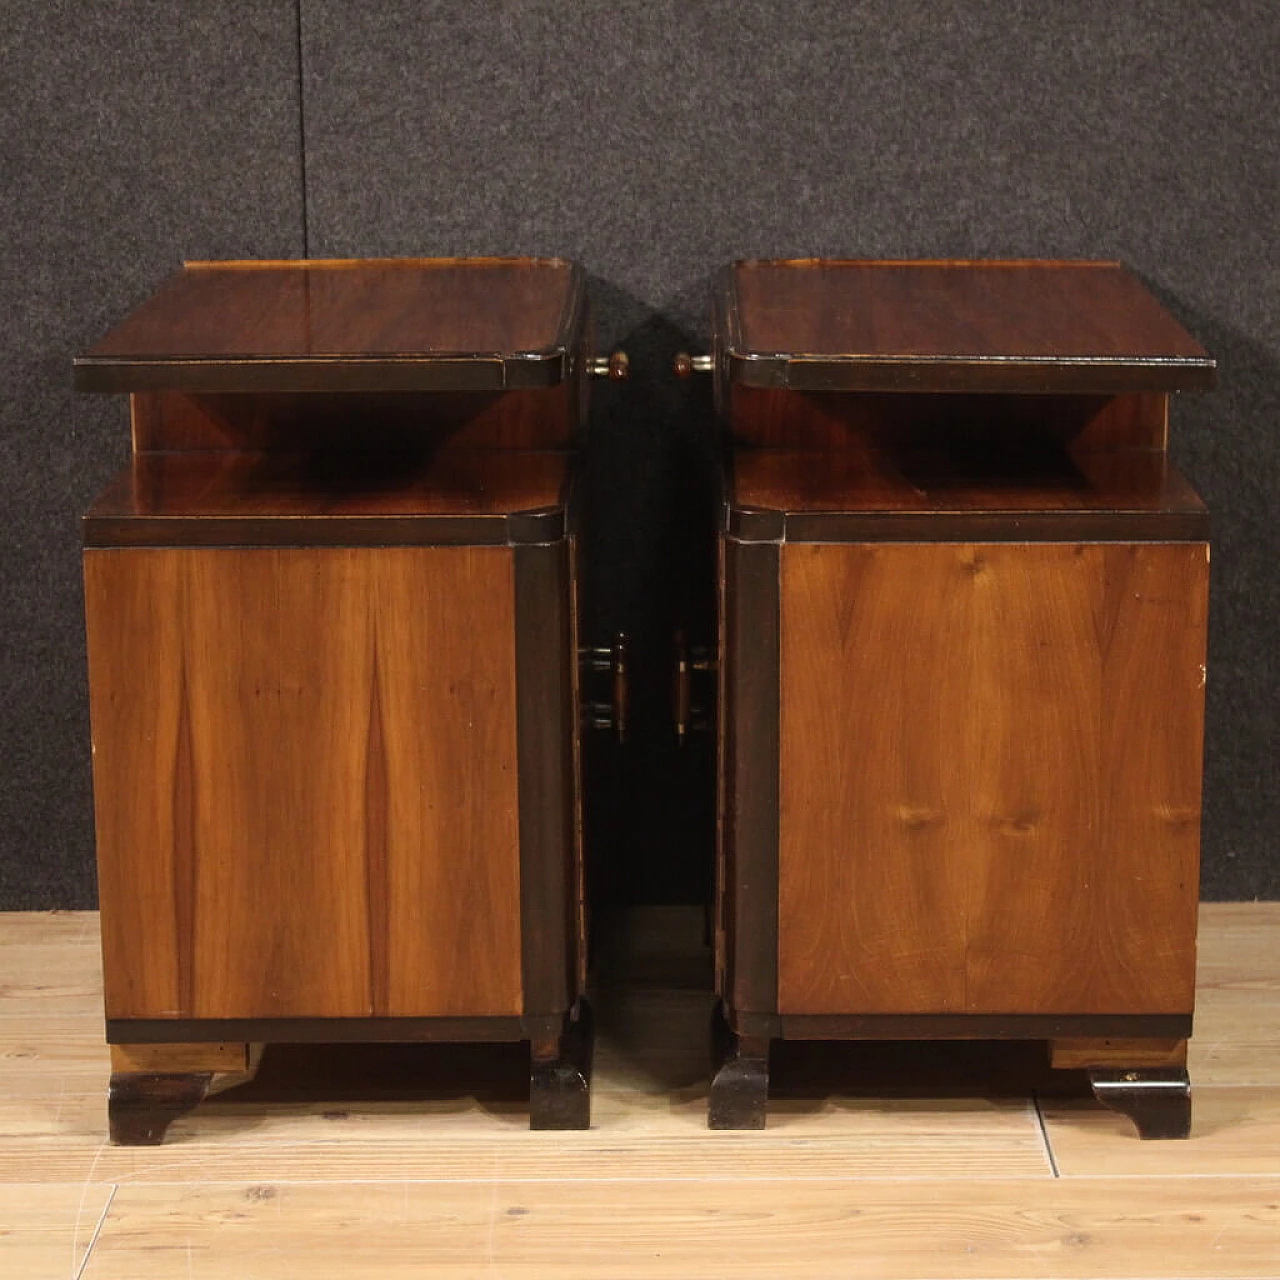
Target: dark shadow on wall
[[649, 571], [1239, 477]]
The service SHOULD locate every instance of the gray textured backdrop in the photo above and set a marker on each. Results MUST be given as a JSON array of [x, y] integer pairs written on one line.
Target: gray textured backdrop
[[652, 142]]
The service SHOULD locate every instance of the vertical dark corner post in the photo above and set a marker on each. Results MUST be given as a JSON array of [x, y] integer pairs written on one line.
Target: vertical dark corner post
[[557, 1026], [750, 649]]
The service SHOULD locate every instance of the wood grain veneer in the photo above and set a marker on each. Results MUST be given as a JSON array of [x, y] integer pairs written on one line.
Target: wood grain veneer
[[378, 325], [305, 781], [823, 325], [990, 777]]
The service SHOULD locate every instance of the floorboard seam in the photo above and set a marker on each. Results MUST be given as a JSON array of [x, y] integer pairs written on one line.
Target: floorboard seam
[[1044, 1135], [97, 1231]]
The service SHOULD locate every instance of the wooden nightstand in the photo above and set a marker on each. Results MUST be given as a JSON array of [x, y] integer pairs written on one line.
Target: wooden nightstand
[[333, 671], [962, 657]]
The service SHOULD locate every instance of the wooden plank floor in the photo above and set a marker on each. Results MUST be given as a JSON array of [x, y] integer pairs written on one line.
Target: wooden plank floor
[[894, 1161]]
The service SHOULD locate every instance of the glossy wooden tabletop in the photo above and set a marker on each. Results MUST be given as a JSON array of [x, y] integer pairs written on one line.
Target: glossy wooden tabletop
[[815, 324], [393, 324]]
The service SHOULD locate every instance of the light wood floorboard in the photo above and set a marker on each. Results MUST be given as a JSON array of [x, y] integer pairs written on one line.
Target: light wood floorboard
[[608, 1231], [926, 1177], [46, 1228]]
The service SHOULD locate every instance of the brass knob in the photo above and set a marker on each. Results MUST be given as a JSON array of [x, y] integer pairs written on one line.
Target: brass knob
[[615, 367], [686, 365]]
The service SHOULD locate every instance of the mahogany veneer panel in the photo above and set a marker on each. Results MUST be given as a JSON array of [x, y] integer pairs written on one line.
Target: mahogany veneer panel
[[305, 779], [324, 325], [954, 326], [990, 777]]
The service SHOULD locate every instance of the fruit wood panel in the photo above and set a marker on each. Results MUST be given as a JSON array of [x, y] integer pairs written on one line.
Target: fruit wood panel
[[990, 777], [305, 781]]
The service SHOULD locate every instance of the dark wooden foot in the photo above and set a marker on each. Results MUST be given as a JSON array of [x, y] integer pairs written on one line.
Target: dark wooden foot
[[141, 1106], [1157, 1100], [740, 1086], [560, 1075]]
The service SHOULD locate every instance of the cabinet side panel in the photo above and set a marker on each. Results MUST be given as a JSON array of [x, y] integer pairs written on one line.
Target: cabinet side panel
[[446, 695], [875, 723]]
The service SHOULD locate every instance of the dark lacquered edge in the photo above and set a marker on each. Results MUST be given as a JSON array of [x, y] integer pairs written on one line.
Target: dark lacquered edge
[[545, 767], [753, 606], [973, 1026], [480, 372], [755, 524], [307, 531], [812, 372], [312, 1030], [516, 528], [765, 524], [987, 526], [426, 371]]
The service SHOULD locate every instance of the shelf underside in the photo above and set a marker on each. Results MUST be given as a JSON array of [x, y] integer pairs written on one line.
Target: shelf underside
[[236, 499]]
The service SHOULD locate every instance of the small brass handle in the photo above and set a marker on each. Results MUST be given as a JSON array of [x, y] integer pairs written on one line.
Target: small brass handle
[[686, 366], [615, 367], [611, 660], [687, 661]]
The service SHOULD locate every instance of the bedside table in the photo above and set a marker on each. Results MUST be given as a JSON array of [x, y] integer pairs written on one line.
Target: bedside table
[[333, 671], [962, 667]]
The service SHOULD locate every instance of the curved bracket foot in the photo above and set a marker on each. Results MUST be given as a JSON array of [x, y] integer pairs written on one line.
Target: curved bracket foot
[[1157, 1100], [142, 1105]]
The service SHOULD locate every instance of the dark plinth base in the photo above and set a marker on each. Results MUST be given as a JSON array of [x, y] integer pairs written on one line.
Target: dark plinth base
[[560, 1074], [740, 1086], [141, 1107], [1157, 1101], [1157, 1098]]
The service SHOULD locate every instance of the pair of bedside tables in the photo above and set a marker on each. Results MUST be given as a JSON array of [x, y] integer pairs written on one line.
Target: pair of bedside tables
[[336, 680]]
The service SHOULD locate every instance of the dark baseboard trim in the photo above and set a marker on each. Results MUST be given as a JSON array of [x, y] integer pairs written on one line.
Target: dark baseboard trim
[[314, 1030], [964, 1026]]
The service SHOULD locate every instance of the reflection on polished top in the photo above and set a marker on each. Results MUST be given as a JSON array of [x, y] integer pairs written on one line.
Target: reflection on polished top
[[391, 324], [815, 324]]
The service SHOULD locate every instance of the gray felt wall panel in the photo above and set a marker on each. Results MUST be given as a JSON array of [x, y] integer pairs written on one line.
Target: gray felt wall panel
[[655, 141], [131, 136]]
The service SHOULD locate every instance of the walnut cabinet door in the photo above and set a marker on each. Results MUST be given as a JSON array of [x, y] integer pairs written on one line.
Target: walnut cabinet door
[[990, 777], [305, 778]]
